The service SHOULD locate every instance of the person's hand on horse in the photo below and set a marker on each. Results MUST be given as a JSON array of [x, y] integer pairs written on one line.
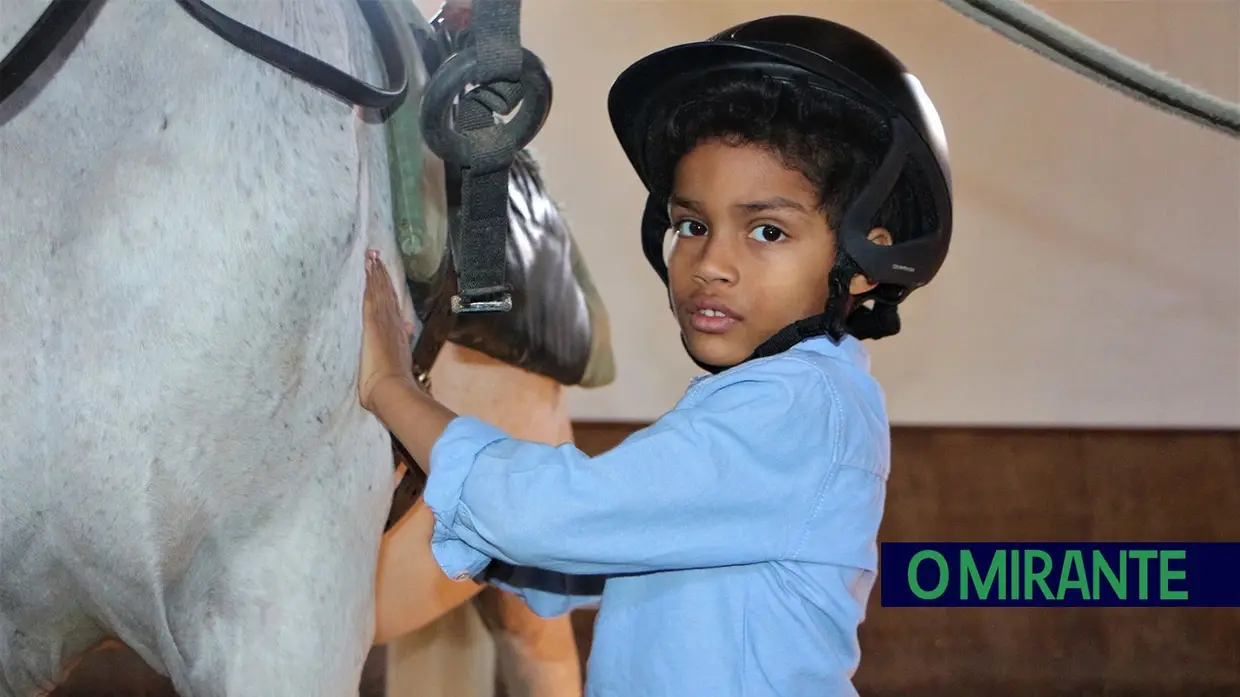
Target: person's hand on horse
[[385, 334]]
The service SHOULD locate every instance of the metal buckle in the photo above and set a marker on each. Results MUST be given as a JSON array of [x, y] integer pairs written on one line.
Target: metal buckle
[[423, 378], [461, 305]]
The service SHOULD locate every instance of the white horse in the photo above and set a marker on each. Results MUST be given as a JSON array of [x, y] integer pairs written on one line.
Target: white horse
[[183, 462]]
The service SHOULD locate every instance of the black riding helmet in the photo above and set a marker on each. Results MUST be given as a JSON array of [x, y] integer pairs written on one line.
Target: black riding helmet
[[845, 63]]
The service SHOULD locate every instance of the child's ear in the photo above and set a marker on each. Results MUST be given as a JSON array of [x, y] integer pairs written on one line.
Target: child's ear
[[860, 284]]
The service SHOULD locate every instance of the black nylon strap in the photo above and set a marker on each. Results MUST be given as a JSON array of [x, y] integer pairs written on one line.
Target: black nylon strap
[[496, 30], [481, 247], [481, 239], [504, 75]]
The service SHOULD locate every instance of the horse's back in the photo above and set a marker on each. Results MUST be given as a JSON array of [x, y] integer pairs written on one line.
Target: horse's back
[[183, 460]]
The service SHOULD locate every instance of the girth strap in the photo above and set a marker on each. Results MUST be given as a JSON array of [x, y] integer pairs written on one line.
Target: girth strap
[[437, 324]]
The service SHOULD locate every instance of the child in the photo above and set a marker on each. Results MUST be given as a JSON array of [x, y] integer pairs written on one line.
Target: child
[[733, 543]]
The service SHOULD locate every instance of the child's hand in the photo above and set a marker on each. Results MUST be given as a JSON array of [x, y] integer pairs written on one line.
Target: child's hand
[[385, 334]]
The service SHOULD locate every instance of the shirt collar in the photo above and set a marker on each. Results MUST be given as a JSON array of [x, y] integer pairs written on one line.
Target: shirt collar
[[850, 349]]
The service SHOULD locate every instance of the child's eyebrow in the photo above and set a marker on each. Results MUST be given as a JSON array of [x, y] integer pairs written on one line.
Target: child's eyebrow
[[682, 202], [766, 204], [774, 203]]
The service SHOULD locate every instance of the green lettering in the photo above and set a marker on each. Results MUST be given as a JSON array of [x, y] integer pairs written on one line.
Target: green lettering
[[1038, 577], [1143, 573], [969, 574], [912, 574], [1015, 591], [1165, 574], [1073, 561], [1120, 584]]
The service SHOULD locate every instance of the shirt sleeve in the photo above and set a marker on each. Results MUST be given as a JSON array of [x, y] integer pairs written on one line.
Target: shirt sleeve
[[731, 476]]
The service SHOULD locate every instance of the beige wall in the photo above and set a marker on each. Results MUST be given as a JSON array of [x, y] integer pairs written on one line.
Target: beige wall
[[1095, 273]]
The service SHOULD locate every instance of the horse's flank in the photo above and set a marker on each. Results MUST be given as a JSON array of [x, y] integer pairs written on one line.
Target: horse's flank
[[185, 466]]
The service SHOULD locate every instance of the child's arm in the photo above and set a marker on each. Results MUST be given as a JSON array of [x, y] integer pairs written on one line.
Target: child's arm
[[413, 416], [736, 474], [737, 477], [411, 591]]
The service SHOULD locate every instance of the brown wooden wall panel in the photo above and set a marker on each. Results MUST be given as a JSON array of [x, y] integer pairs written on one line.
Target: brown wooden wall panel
[[1001, 485]]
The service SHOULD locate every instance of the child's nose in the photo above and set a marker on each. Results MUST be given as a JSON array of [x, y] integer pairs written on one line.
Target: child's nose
[[717, 261]]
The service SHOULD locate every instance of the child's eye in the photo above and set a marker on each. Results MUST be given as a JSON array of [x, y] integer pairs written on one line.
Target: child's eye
[[767, 233], [689, 228]]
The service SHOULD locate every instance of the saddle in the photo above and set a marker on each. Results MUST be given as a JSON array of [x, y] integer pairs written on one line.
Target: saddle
[[557, 326]]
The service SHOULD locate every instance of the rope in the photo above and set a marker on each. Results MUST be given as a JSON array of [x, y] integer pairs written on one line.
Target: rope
[[1060, 43]]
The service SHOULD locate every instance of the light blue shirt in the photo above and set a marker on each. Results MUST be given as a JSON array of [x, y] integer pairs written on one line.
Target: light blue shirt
[[731, 545]]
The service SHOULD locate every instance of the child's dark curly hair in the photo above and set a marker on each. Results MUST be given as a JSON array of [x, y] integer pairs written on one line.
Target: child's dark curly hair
[[835, 143]]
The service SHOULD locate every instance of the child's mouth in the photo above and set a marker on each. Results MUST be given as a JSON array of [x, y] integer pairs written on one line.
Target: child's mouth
[[712, 321]]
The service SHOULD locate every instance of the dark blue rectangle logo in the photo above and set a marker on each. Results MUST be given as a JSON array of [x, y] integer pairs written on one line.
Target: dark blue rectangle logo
[[1112, 574]]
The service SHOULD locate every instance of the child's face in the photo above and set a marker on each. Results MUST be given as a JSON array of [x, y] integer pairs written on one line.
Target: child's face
[[752, 250]]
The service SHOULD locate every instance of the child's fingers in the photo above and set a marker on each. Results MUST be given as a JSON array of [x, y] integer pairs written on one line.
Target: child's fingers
[[368, 293], [378, 284], [379, 299], [378, 272]]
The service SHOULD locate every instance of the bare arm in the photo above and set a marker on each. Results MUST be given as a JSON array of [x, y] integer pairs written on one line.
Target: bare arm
[[413, 416], [411, 591]]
